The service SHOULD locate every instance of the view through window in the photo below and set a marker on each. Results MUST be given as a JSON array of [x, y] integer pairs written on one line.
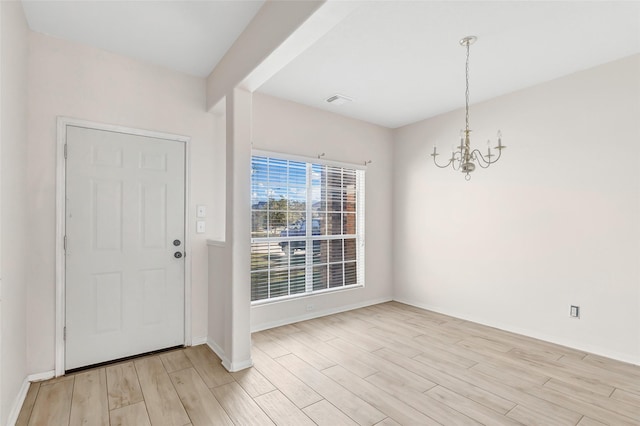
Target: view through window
[[307, 231]]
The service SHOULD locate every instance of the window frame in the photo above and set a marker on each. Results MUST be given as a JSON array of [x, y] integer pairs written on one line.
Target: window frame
[[309, 238]]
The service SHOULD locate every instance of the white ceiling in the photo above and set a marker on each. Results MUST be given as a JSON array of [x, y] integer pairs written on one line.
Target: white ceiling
[[187, 36], [399, 60]]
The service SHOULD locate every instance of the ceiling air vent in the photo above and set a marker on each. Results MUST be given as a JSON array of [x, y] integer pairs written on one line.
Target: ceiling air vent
[[338, 99]]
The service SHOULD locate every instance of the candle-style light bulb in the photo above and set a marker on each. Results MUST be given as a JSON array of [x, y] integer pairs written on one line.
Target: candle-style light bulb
[[489, 154], [500, 146]]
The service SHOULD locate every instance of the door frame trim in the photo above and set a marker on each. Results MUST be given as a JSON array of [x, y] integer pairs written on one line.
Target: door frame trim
[[61, 173]]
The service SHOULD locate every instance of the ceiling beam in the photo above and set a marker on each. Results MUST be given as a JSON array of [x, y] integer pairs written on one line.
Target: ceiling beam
[[280, 31]]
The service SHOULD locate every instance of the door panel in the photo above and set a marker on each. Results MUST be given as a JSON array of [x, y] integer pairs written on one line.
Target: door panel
[[124, 208], [106, 199]]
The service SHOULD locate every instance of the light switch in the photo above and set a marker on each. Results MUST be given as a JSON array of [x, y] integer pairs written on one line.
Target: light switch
[[201, 211], [200, 226]]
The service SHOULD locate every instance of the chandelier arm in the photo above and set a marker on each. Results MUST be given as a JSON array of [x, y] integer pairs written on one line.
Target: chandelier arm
[[486, 162], [456, 157], [498, 157], [451, 162], [482, 162], [442, 167]]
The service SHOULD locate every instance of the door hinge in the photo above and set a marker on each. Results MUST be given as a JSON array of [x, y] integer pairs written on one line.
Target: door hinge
[[65, 243], [65, 150], [64, 333]]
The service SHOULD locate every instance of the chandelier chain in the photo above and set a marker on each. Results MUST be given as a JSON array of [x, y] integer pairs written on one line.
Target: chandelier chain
[[467, 91]]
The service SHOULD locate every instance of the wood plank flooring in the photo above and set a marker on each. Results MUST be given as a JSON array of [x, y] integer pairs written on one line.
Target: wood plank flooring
[[388, 364]]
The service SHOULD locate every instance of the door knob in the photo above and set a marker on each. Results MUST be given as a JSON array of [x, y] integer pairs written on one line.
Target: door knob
[[177, 254]]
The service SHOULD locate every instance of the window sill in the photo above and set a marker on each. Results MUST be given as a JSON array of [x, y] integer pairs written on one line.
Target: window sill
[[216, 243], [290, 298]]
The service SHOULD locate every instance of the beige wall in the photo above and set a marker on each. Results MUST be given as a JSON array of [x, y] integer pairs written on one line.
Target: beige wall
[[287, 127], [69, 79], [14, 241], [555, 223]]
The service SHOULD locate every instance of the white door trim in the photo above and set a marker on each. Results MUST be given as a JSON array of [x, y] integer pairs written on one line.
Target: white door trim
[[61, 172]]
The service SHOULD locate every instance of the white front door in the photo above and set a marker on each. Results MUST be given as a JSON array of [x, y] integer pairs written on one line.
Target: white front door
[[125, 228]]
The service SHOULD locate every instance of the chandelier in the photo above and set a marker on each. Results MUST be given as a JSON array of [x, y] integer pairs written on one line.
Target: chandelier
[[463, 158]]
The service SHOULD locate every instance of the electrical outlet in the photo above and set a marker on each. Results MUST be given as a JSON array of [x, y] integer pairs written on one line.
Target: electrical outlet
[[574, 311], [310, 307]]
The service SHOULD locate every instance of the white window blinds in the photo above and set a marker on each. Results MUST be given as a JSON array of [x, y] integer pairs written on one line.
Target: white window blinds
[[307, 228]]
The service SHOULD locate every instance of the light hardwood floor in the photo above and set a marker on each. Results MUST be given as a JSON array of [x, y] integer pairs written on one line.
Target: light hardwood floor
[[387, 364]]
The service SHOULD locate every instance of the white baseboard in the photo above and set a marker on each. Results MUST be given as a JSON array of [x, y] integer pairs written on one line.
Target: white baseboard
[[237, 366], [199, 341], [317, 314], [226, 363], [218, 351], [17, 403], [38, 377], [529, 333]]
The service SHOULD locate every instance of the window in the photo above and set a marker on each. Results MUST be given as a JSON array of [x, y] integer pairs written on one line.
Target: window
[[307, 227]]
